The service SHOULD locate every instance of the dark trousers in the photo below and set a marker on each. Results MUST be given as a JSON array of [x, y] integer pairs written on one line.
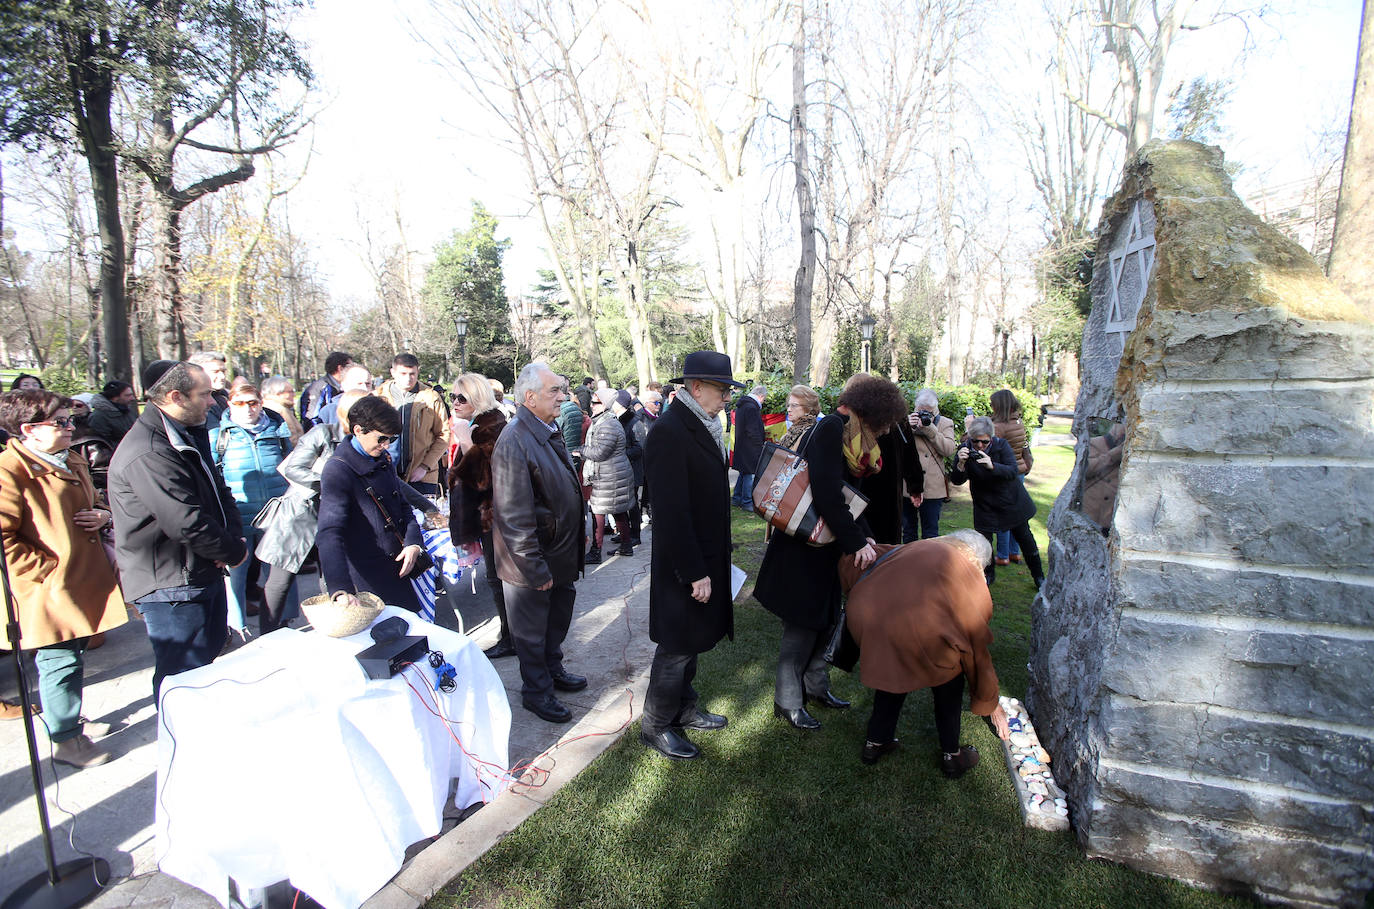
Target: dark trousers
[[498, 592], [802, 670], [949, 703], [539, 621], [186, 626], [1021, 533], [921, 523], [670, 696], [273, 615]]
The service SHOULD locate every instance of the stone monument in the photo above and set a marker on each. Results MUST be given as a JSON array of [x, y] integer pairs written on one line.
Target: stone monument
[[1202, 653]]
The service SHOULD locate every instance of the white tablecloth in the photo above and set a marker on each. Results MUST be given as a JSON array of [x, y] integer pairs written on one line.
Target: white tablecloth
[[283, 761]]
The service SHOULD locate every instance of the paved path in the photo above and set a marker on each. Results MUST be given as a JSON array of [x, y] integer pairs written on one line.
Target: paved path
[[108, 810]]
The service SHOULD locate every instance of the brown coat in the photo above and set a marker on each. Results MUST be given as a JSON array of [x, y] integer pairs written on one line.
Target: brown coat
[[1015, 434], [64, 587], [920, 618], [428, 430]]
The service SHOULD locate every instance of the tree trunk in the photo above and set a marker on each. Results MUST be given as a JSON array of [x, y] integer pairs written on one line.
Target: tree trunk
[[92, 90], [806, 207], [1350, 264]]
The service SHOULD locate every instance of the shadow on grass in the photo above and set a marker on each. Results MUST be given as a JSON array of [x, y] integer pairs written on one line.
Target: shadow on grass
[[771, 816]]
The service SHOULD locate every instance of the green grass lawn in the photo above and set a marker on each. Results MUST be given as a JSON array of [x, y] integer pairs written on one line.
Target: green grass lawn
[[775, 817]]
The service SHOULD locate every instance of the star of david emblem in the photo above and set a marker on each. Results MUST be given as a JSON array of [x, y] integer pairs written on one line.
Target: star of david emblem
[[1130, 262]]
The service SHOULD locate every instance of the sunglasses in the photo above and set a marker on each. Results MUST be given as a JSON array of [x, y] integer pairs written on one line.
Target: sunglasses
[[459, 398], [386, 440], [980, 443], [59, 422], [253, 403]]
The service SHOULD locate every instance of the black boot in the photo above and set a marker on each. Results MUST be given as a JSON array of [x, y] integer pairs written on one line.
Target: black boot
[[593, 556], [626, 549]]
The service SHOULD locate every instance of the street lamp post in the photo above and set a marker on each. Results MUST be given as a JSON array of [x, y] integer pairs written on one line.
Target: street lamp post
[[460, 324], [866, 326]]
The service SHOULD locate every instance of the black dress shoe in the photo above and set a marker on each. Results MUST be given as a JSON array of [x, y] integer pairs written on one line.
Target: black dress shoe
[[626, 549], [702, 720], [502, 648], [566, 681], [797, 717], [548, 708], [872, 751], [671, 744], [828, 700], [954, 765]]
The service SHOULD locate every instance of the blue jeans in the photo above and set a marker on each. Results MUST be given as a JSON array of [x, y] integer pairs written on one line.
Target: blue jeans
[[1006, 544], [237, 585], [925, 519], [60, 669], [744, 491], [186, 626]]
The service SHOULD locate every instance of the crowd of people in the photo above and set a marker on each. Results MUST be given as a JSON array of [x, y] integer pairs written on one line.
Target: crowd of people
[[204, 508]]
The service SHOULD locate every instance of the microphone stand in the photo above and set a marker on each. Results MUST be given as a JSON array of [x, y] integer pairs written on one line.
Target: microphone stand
[[72, 883]]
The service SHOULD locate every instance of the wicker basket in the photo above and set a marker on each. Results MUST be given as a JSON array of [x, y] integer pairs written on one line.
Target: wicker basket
[[339, 620]]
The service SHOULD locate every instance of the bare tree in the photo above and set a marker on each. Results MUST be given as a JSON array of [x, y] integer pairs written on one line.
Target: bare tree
[[1349, 264], [806, 207]]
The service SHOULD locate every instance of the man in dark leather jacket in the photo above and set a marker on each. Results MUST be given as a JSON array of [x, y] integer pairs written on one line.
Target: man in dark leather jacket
[[176, 525], [539, 536]]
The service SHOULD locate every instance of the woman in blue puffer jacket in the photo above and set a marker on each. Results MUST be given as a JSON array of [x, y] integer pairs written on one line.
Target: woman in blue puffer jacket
[[248, 448]]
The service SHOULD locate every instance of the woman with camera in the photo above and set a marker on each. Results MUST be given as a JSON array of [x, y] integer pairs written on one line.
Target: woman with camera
[[1000, 502], [934, 440]]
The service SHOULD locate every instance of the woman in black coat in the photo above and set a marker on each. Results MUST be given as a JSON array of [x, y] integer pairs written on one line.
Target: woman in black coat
[[470, 485], [987, 463], [901, 468], [360, 549], [800, 583]]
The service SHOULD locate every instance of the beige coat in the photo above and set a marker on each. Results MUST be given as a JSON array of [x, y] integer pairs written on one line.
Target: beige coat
[[64, 587], [935, 443], [428, 430], [1015, 434]]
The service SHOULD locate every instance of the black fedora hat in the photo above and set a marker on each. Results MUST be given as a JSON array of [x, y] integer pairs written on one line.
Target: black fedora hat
[[709, 366]]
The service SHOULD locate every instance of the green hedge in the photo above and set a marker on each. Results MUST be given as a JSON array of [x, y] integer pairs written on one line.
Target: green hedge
[[953, 398]]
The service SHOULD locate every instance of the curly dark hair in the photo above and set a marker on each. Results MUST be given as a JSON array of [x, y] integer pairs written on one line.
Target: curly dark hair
[[875, 400], [20, 407], [372, 413]]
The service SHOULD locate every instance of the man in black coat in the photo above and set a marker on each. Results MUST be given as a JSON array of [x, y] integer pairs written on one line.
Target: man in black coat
[[176, 525], [690, 607], [748, 444], [539, 538]]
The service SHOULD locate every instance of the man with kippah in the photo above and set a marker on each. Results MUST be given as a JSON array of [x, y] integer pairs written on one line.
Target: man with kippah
[[176, 525]]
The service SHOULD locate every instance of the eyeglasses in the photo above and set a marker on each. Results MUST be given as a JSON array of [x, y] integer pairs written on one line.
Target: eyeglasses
[[245, 403], [59, 422], [459, 398], [386, 440]]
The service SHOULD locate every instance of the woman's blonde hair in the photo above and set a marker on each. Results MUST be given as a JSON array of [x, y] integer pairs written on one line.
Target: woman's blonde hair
[[810, 401], [346, 402], [477, 389]]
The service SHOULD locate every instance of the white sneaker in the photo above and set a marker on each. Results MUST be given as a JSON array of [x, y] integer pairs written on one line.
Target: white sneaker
[[79, 752]]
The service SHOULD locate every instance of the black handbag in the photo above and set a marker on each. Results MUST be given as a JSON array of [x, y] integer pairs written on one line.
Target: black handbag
[[423, 562]]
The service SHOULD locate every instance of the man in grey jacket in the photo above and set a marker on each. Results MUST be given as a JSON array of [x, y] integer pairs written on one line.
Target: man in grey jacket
[[539, 532], [176, 525]]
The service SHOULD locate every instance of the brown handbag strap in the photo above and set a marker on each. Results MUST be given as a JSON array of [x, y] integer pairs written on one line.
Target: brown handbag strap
[[386, 517]]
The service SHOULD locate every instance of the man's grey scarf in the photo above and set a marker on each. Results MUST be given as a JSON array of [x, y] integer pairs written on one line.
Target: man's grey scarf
[[712, 423]]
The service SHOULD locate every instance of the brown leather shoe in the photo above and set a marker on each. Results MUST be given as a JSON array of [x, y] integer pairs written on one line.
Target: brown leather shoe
[[10, 711], [1002, 561]]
